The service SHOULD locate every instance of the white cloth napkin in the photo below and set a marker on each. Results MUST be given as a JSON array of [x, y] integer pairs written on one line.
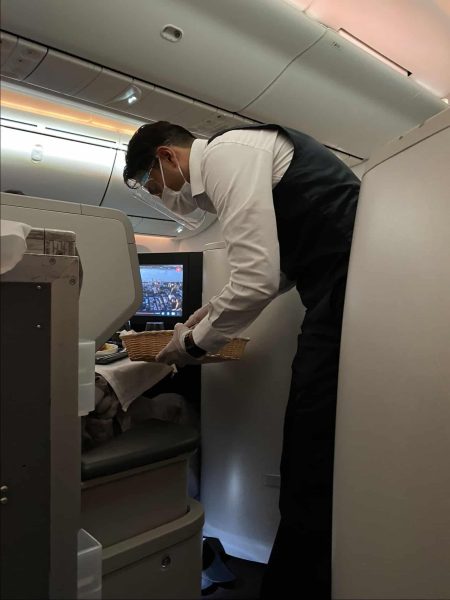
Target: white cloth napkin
[[13, 243], [129, 379]]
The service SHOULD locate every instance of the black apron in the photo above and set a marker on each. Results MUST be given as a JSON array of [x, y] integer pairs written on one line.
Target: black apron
[[315, 205]]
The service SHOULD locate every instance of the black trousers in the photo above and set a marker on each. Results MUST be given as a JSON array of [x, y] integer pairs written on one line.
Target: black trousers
[[301, 555]]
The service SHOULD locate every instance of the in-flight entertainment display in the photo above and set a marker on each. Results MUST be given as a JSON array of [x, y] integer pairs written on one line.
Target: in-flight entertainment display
[[162, 289]]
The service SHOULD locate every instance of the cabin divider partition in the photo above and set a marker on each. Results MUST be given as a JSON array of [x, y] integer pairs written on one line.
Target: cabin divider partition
[[40, 435]]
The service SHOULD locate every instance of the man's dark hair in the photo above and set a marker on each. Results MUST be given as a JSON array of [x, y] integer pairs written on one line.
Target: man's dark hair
[[142, 146]]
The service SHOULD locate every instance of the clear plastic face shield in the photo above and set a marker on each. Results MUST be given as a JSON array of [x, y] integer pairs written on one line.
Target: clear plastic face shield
[[177, 205]]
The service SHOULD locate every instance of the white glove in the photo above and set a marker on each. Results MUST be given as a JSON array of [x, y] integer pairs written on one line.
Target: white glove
[[196, 317], [174, 352]]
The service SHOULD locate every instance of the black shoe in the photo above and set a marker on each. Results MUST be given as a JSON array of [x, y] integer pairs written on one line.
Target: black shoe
[[214, 567]]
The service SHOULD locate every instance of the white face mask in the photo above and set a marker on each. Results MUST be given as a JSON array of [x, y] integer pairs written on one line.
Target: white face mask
[[181, 201], [178, 205]]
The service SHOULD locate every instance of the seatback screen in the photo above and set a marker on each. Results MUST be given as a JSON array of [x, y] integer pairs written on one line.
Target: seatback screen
[[162, 289]]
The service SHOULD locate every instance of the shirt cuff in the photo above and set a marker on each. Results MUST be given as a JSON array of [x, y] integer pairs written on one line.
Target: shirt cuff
[[208, 338]]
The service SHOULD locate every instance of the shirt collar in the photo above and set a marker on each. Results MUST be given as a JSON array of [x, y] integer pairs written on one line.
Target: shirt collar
[[195, 161]]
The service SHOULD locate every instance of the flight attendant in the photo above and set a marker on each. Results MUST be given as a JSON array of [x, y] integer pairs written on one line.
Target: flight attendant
[[286, 206]]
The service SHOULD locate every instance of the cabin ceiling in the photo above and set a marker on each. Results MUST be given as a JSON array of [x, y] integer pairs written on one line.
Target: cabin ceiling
[[222, 41], [263, 60], [414, 34]]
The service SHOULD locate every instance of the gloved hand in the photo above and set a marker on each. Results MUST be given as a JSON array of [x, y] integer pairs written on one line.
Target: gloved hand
[[174, 352], [196, 317]]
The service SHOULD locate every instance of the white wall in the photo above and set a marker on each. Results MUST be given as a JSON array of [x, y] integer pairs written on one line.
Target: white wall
[[154, 243], [391, 474], [243, 406]]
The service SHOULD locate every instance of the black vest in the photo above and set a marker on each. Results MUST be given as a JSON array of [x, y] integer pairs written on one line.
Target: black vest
[[315, 206]]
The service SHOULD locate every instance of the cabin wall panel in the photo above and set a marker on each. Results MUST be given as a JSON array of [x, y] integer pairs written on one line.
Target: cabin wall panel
[[63, 73], [48, 167]]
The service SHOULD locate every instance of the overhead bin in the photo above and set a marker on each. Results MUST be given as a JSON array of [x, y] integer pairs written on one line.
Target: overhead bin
[[350, 161], [104, 88], [204, 120], [7, 44], [23, 59], [344, 97], [156, 104], [63, 73], [50, 167], [263, 59], [218, 121], [152, 103], [229, 52]]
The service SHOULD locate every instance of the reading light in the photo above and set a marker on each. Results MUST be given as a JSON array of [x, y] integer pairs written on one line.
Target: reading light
[[445, 100], [179, 229], [131, 95], [369, 50]]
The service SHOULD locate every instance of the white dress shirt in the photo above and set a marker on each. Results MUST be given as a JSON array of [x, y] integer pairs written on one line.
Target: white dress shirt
[[237, 171]]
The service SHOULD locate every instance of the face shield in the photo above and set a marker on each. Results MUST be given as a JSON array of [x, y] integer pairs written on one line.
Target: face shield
[[177, 205]]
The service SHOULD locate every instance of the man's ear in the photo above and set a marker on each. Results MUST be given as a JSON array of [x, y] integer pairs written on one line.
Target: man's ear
[[167, 154]]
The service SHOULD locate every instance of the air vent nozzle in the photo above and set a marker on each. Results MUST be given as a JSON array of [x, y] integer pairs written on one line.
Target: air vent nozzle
[[172, 33]]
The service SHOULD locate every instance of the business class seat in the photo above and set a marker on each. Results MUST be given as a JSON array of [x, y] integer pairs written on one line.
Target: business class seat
[[134, 501]]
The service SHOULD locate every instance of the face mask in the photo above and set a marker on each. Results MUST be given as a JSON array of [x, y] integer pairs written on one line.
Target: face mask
[[181, 201], [178, 205]]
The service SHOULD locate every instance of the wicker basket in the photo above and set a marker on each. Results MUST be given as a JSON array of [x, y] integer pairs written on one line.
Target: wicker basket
[[147, 344]]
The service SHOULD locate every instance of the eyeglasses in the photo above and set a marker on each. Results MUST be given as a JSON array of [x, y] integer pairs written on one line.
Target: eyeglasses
[[146, 183]]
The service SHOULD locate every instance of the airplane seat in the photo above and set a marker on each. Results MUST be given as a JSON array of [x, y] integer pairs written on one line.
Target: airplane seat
[[134, 501]]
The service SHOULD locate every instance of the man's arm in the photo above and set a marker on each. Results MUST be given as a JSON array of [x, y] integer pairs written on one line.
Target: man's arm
[[238, 180]]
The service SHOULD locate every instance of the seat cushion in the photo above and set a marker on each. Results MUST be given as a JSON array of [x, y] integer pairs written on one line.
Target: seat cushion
[[147, 443]]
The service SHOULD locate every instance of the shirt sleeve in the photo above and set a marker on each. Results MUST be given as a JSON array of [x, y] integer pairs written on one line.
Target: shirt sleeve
[[285, 284], [238, 180]]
